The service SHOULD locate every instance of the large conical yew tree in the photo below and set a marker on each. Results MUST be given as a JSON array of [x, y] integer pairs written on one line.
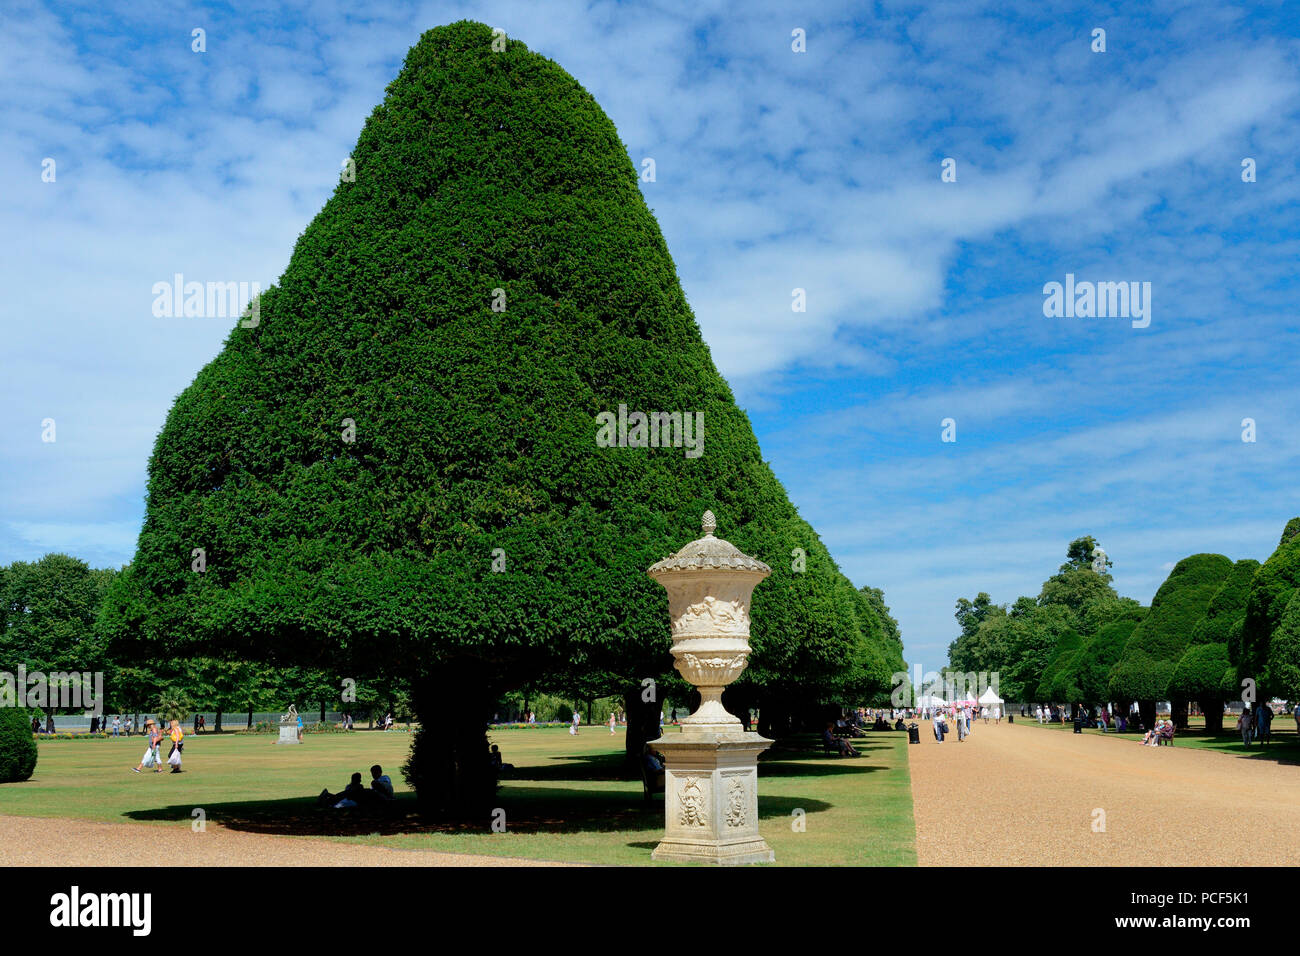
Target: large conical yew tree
[[397, 470]]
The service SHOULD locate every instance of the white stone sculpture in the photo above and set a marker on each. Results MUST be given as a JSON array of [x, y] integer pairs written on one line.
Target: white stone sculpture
[[711, 767]]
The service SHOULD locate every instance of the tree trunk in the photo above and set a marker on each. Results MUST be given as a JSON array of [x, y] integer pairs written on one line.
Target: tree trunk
[[737, 700], [216, 723], [1179, 715], [771, 718], [322, 711], [449, 766], [1213, 710], [1147, 710], [250, 718], [642, 723]]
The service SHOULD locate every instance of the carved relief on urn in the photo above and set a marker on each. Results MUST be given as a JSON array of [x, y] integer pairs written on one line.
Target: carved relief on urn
[[710, 583]]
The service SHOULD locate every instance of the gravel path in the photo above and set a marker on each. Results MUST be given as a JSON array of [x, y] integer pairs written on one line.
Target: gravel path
[[1012, 794], [39, 841]]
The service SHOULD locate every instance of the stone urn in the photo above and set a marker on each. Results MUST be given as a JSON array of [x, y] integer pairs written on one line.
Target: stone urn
[[711, 769], [710, 583]]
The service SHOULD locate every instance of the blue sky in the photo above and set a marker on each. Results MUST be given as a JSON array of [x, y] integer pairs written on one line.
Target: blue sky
[[774, 170]]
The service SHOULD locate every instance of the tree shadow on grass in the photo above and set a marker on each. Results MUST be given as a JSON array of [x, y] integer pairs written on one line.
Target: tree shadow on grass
[[1284, 750], [527, 810], [605, 767]]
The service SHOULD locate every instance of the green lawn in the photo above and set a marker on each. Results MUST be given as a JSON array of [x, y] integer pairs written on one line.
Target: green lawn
[[1284, 746], [563, 801]]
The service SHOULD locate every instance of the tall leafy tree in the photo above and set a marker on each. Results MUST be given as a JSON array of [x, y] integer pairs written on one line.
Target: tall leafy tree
[[47, 614]]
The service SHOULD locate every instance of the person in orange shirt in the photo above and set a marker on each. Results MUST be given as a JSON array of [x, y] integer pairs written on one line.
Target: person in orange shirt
[[177, 737]]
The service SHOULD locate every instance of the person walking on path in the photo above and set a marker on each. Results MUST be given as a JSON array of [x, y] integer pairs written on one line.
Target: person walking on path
[[611, 723], [178, 744], [573, 726], [938, 725], [151, 757], [117, 726], [1038, 712], [1243, 724]]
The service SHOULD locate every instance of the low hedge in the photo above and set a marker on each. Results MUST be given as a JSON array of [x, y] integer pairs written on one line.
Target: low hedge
[[17, 745]]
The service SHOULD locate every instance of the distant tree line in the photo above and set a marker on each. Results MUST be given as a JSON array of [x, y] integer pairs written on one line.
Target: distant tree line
[[1216, 631]]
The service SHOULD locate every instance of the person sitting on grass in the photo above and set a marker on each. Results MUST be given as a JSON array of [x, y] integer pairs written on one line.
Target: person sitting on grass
[[381, 787], [651, 759], [495, 757], [843, 746], [351, 796]]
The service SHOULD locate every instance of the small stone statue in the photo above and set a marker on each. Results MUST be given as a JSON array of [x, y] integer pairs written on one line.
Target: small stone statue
[[290, 719]]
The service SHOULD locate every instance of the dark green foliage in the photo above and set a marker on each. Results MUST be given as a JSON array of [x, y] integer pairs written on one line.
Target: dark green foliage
[[1270, 593], [1284, 652], [1227, 606], [1159, 641], [1089, 670], [1139, 677], [1023, 643], [475, 429], [1058, 682], [1199, 675], [17, 747]]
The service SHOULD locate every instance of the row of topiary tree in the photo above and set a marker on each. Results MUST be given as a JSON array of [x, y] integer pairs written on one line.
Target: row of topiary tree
[[1216, 631]]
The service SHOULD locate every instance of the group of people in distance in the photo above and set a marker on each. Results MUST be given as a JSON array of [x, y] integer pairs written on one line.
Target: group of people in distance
[[355, 793], [959, 720], [152, 758]]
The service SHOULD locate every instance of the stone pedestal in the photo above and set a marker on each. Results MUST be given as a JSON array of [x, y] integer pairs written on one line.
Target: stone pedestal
[[711, 798], [288, 735], [711, 767]]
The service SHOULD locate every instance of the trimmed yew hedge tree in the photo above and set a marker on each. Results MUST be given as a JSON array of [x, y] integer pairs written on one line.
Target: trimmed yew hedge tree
[[418, 401], [1265, 655], [1199, 676], [1158, 643], [1089, 669]]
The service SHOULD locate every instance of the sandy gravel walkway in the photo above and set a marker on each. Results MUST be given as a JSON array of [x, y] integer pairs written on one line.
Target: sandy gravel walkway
[[38, 841], [1014, 794]]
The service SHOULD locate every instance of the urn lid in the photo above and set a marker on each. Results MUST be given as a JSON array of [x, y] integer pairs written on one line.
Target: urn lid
[[708, 553]]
